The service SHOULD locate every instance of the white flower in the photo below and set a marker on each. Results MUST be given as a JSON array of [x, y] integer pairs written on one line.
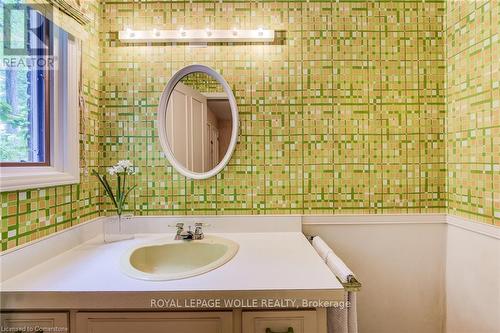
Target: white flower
[[125, 164]]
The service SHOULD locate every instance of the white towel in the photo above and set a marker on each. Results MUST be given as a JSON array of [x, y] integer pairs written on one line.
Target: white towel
[[337, 319], [352, 313], [343, 319], [321, 247], [338, 267]]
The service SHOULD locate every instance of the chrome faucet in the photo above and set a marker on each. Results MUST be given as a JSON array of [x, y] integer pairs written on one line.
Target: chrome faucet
[[181, 234], [198, 233]]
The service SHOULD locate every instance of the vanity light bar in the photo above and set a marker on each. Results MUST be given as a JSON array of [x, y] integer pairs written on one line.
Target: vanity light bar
[[196, 36]]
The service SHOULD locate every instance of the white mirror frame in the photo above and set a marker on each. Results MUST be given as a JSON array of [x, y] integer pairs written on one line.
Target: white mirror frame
[[162, 121]]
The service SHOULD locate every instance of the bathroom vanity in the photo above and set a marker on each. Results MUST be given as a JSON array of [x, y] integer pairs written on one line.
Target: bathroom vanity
[[178, 322], [250, 274], [274, 282]]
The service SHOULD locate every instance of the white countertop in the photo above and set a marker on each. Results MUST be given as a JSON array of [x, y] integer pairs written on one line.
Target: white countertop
[[265, 261]]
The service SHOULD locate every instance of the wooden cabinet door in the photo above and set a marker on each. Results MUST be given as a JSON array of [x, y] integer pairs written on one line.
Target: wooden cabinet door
[[36, 322], [154, 322], [280, 321]]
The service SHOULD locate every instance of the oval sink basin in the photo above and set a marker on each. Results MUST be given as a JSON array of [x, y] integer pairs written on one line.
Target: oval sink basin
[[174, 260]]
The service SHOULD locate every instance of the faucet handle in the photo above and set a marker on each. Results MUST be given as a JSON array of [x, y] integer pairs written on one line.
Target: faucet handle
[[199, 225], [180, 230], [177, 225], [198, 232]]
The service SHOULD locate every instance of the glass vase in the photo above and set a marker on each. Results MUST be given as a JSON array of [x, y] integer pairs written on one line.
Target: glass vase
[[114, 229]]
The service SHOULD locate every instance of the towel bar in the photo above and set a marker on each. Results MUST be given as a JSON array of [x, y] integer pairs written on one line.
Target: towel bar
[[309, 237], [352, 283]]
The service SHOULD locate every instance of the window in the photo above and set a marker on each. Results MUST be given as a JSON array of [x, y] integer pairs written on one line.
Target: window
[[38, 101], [25, 98]]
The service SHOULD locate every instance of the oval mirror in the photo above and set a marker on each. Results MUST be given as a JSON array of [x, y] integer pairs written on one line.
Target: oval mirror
[[198, 122]]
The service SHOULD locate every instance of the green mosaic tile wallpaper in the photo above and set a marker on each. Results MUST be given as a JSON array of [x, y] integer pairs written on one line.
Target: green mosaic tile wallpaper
[[344, 113], [31, 214], [473, 101], [203, 83]]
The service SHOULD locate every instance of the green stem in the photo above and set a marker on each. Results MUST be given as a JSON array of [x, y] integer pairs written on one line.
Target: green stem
[[119, 195], [123, 188], [107, 188], [126, 194]]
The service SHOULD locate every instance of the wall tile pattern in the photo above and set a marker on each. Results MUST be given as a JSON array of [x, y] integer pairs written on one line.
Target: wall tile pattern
[[203, 83], [31, 214], [344, 113], [473, 115]]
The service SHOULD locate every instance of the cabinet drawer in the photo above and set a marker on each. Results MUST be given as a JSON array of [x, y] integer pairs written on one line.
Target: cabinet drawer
[[36, 322], [154, 322], [279, 321]]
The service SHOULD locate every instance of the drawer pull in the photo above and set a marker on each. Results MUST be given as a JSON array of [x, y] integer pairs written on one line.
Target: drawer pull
[[289, 330]]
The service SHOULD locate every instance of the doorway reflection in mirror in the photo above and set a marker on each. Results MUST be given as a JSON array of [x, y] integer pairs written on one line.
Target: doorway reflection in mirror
[[199, 122]]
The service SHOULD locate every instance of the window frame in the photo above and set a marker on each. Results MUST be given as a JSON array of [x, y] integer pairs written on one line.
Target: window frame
[[62, 146]]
